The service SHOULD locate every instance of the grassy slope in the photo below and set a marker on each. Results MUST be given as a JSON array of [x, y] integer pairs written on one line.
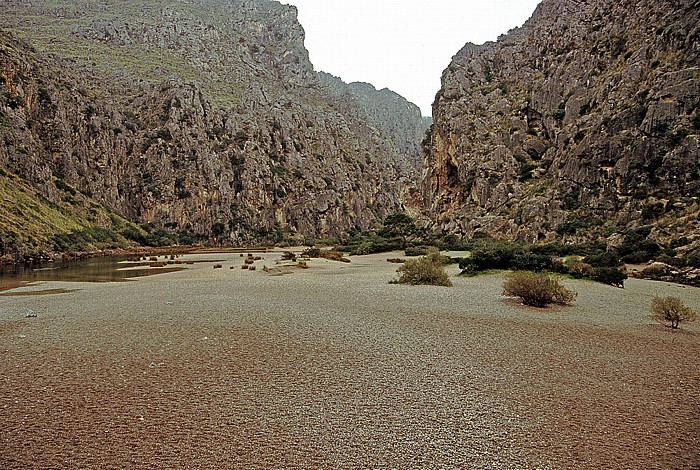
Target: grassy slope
[[29, 220], [55, 36]]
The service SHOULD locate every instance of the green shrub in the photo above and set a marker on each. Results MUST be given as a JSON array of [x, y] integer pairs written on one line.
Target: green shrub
[[608, 259], [671, 309], [532, 262], [526, 172], [536, 290], [637, 248], [364, 248], [496, 256], [610, 276], [428, 270], [159, 237], [311, 253], [369, 242], [420, 250], [578, 269]]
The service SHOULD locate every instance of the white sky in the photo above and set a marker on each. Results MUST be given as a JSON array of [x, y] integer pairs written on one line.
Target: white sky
[[403, 45]]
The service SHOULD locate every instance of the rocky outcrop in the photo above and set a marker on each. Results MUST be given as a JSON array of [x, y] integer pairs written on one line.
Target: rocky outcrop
[[201, 117], [581, 124]]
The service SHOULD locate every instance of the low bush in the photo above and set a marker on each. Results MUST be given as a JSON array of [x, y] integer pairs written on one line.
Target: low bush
[[608, 259], [578, 269], [428, 270], [532, 262], [420, 250], [536, 290], [671, 309], [364, 248], [610, 276], [368, 243], [497, 255], [333, 256], [311, 253]]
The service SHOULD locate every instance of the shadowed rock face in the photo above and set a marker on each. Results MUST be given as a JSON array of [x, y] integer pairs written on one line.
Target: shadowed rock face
[[588, 114], [197, 116]]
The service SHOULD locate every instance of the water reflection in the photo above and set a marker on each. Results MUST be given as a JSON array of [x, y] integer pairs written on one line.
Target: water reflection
[[103, 269]]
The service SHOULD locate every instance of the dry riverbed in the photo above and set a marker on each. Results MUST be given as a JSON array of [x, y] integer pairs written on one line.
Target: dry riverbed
[[333, 367]]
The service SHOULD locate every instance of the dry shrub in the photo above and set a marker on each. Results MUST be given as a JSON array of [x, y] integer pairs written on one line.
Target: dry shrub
[[427, 270], [536, 289], [396, 260], [671, 309], [333, 256], [311, 253], [578, 269]]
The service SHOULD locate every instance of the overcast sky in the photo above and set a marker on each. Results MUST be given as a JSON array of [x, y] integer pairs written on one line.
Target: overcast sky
[[403, 45]]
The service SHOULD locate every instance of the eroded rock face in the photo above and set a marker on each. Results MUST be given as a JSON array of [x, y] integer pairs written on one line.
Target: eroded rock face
[[201, 116], [589, 112]]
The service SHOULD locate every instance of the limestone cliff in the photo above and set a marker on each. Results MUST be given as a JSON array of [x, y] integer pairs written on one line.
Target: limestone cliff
[[202, 117], [583, 123]]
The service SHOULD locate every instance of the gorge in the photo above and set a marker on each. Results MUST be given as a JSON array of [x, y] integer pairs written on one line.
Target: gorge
[[204, 121]]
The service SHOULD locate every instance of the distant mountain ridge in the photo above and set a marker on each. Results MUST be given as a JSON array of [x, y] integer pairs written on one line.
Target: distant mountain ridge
[[582, 124], [200, 117], [388, 111]]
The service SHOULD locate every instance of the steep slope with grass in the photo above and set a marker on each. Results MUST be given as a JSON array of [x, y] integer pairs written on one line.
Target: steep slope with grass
[[202, 118], [31, 223], [582, 124]]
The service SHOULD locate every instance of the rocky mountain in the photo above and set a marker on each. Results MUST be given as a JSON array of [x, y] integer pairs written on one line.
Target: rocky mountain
[[387, 111], [584, 123], [198, 118]]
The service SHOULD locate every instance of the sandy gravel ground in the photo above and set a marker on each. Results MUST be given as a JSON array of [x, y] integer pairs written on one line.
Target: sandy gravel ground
[[332, 367]]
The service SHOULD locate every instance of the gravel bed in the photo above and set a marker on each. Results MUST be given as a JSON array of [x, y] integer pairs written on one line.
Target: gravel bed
[[333, 367]]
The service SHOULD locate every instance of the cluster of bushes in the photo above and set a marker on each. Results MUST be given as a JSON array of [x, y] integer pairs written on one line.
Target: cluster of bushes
[[368, 243], [332, 255], [399, 232], [596, 265]]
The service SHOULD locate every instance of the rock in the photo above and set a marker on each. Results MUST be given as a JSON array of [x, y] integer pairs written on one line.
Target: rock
[[243, 142], [657, 270], [585, 111]]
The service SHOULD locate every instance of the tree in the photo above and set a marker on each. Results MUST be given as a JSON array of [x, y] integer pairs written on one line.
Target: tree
[[671, 309], [399, 224]]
